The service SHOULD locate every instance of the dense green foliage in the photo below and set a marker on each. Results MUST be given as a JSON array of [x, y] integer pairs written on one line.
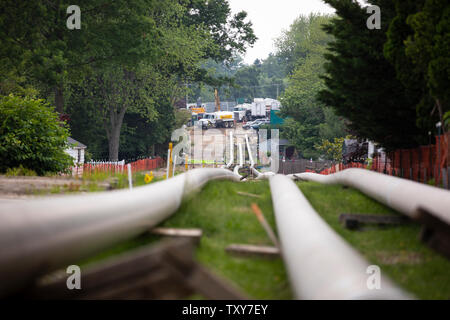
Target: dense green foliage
[[117, 79], [262, 79], [120, 80], [310, 121], [429, 48], [362, 85], [391, 84], [31, 136]]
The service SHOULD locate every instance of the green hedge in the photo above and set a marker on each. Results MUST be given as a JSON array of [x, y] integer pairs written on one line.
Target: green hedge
[[31, 136]]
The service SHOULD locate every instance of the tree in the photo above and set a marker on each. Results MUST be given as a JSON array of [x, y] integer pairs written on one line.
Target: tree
[[311, 120], [230, 33], [332, 150], [304, 38], [409, 73], [247, 82], [31, 136], [429, 47], [36, 43], [361, 85]]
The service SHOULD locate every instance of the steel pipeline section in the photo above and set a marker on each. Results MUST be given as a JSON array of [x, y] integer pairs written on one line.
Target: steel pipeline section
[[320, 264], [405, 196], [39, 236]]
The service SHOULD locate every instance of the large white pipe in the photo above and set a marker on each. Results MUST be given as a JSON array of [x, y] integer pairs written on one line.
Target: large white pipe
[[241, 161], [320, 264], [241, 156], [38, 236], [403, 195], [250, 156], [230, 162]]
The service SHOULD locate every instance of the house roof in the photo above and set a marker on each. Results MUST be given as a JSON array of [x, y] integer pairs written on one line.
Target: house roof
[[77, 144]]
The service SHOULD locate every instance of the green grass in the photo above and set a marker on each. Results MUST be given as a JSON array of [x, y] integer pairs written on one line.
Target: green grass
[[226, 218]]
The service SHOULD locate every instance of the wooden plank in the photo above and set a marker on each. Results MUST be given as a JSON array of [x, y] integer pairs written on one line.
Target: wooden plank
[[163, 271], [194, 234], [245, 194], [201, 280], [435, 232], [253, 250], [265, 224], [110, 279], [354, 221]]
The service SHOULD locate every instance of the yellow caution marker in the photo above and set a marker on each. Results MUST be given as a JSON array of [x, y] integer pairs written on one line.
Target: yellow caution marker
[[170, 159], [149, 177]]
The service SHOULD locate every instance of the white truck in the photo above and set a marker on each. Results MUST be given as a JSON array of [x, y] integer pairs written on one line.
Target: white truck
[[258, 109], [221, 119], [242, 112]]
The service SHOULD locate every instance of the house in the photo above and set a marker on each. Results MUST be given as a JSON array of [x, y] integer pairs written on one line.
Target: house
[[76, 150]]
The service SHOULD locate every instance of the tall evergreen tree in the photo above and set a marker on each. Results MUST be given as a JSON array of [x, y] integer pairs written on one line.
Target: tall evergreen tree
[[361, 84], [408, 72], [429, 48]]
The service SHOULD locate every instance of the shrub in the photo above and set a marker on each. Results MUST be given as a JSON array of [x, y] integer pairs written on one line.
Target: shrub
[[20, 171], [31, 136]]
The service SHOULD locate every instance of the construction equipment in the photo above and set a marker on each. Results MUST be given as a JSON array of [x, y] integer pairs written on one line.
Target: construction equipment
[[216, 95], [221, 119], [218, 119], [243, 112]]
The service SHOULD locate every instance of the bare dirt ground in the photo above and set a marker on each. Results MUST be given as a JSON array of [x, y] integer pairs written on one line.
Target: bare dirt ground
[[23, 188], [212, 137]]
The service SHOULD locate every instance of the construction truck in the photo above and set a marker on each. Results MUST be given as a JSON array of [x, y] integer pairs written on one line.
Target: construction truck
[[218, 119], [221, 119], [243, 112], [197, 113], [258, 109]]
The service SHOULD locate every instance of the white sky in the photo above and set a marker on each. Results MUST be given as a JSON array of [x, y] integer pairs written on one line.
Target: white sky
[[270, 17]]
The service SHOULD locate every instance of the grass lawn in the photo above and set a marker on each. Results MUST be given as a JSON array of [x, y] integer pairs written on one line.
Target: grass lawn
[[226, 218]]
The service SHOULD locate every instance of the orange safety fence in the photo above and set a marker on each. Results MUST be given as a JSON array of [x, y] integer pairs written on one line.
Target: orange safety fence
[[117, 167], [421, 164]]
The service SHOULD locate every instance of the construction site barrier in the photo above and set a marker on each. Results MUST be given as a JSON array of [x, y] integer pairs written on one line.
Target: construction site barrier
[[423, 164], [91, 168]]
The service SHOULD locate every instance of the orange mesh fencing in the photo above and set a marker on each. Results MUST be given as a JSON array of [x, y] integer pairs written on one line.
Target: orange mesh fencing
[[420, 164]]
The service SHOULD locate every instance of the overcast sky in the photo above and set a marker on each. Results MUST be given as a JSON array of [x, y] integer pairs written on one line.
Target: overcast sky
[[270, 17]]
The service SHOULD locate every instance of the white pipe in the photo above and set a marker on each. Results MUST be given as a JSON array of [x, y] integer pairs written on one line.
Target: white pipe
[[130, 177], [230, 162], [241, 156], [402, 195], [241, 161], [250, 156], [41, 235], [320, 264]]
